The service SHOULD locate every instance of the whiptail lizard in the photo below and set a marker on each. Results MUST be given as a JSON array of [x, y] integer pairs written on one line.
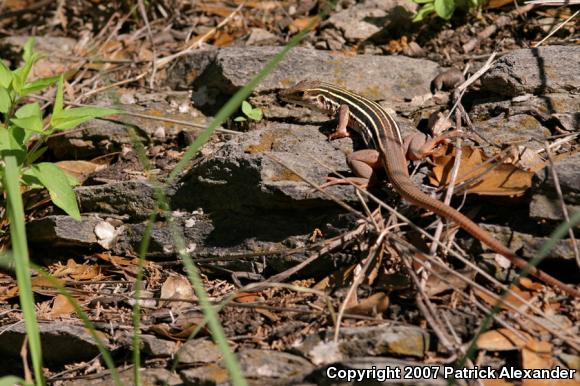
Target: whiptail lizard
[[387, 149]]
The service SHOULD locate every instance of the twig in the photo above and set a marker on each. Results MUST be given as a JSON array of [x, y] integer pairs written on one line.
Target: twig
[[562, 24], [161, 62]]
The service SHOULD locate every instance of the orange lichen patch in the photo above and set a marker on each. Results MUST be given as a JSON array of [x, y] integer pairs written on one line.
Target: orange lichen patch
[[266, 143], [286, 175]]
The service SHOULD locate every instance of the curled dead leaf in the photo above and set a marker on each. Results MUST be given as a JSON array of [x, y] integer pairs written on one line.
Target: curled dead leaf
[[484, 178]]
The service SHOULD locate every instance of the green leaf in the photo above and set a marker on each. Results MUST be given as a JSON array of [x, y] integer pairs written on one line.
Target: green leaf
[[38, 85], [29, 117], [423, 1], [5, 75], [424, 11], [246, 108], [240, 119], [57, 183], [68, 119], [256, 114], [28, 55], [11, 380], [445, 8], [5, 101]]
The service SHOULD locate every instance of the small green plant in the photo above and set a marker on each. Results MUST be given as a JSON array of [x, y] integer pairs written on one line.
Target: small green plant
[[253, 113], [444, 8], [23, 130]]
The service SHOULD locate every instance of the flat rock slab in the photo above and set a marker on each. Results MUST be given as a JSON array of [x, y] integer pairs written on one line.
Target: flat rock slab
[[538, 71], [133, 198], [247, 193], [62, 231], [61, 343], [217, 74], [263, 367]]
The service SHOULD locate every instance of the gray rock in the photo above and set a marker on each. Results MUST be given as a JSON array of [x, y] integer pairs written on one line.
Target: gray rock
[[150, 376], [260, 367], [156, 347], [44, 44], [563, 107], [133, 198], [198, 351], [528, 245], [261, 37], [543, 207], [363, 20], [568, 177], [61, 343], [64, 232], [539, 70], [516, 129], [382, 340], [103, 136], [245, 191], [220, 73], [545, 204]]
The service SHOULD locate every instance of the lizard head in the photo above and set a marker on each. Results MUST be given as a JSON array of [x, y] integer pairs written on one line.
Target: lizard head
[[309, 93]]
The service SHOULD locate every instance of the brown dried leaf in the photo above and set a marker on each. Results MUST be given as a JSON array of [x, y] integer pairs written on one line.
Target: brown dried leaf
[[61, 306], [507, 300], [501, 340], [176, 287], [498, 3], [300, 23], [491, 180], [375, 304]]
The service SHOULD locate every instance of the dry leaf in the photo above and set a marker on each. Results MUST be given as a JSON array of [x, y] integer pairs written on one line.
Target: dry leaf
[[300, 23], [375, 304], [488, 179], [61, 306], [508, 300], [498, 3], [248, 297], [176, 287], [501, 340]]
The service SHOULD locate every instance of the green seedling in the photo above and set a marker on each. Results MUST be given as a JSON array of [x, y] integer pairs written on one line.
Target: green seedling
[[253, 113]]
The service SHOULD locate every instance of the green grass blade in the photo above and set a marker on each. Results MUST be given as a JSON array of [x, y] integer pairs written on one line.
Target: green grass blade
[[21, 261], [234, 103]]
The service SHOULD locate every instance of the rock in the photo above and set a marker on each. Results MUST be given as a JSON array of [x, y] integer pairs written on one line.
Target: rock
[[267, 367], [565, 107], [103, 136], [162, 243], [545, 204], [514, 129], [528, 245], [198, 351], [379, 340], [150, 376], [568, 178], [61, 343], [539, 71], [217, 74], [363, 20], [156, 347], [133, 198], [245, 191], [261, 37], [543, 207], [61, 231]]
